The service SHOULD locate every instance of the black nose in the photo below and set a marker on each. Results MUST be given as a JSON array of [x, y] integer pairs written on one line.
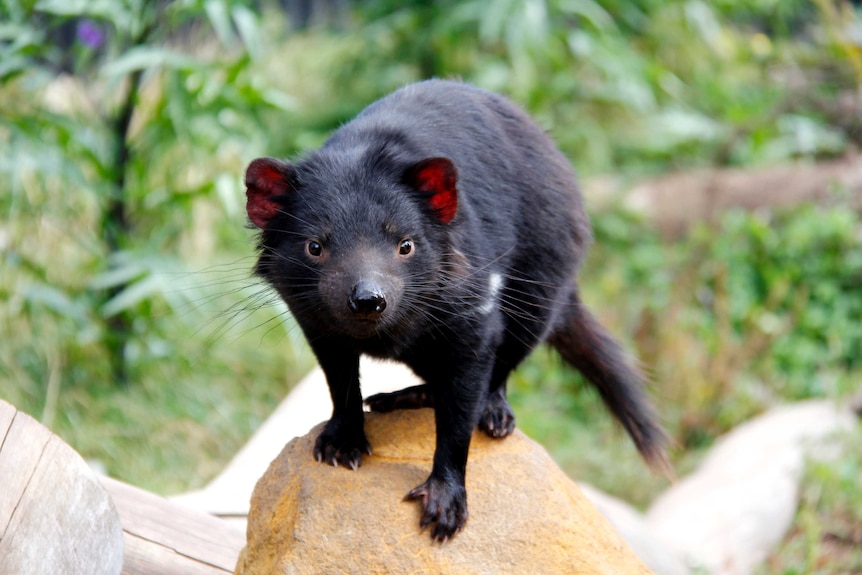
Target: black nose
[[367, 299]]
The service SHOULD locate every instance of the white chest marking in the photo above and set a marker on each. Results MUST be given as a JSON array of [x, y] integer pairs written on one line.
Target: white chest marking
[[494, 284]]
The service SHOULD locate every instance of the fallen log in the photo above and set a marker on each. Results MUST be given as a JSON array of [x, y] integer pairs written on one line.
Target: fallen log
[[58, 516], [678, 200], [55, 517], [164, 538]]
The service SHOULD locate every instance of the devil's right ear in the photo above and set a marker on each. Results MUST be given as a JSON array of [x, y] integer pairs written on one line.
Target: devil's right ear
[[265, 180]]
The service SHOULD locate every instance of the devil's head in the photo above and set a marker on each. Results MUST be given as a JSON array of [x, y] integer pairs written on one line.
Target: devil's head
[[351, 245]]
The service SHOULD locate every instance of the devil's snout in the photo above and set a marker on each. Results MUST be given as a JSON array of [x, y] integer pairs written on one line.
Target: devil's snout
[[367, 299]]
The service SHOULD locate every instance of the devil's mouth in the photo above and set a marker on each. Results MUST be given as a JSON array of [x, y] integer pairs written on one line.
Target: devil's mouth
[[362, 328]]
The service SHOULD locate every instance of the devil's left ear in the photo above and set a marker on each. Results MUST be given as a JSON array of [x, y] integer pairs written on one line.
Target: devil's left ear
[[436, 179], [266, 179]]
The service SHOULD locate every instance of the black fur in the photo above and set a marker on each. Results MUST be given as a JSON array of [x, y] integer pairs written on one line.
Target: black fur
[[441, 228]]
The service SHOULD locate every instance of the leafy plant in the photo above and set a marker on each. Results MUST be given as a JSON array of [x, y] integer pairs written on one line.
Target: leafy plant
[[759, 306], [131, 141]]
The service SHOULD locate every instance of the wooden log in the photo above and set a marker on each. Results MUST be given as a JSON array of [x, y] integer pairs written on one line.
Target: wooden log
[[55, 516], [677, 200], [164, 538], [58, 516]]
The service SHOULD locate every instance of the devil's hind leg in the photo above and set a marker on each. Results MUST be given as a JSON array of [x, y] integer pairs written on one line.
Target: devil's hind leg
[[414, 397], [498, 418]]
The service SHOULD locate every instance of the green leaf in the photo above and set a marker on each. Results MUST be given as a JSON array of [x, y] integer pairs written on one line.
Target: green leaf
[[219, 18], [134, 294], [41, 295], [674, 127], [146, 57], [64, 7], [119, 13], [10, 65], [589, 10], [279, 99], [247, 24], [117, 276]]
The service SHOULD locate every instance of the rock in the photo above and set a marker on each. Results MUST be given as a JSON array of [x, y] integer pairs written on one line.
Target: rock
[[728, 527], [633, 528], [526, 516], [729, 514], [803, 428]]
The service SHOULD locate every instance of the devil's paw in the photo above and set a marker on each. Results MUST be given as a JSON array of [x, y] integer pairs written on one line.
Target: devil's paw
[[340, 444], [444, 505]]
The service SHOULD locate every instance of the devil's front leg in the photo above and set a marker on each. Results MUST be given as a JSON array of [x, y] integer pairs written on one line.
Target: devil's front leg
[[457, 404], [342, 441]]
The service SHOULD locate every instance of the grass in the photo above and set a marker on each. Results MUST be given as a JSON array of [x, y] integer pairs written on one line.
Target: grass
[[204, 383], [826, 536]]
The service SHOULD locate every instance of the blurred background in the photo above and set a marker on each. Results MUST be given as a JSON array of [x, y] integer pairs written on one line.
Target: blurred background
[[717, 145]]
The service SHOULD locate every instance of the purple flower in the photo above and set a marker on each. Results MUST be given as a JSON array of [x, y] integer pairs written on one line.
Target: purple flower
[[90, 34]]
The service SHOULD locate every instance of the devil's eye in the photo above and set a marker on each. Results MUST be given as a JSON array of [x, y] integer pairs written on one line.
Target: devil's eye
[[405, 248], [314, 249]]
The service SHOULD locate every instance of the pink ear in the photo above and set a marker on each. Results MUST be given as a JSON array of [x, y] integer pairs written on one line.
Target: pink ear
[[265, 179], [436, 178]]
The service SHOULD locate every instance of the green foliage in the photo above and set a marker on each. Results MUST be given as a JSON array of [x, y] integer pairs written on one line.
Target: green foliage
[[121, 147], [759, 306], [638, 85], [145, 136], [795, 276]]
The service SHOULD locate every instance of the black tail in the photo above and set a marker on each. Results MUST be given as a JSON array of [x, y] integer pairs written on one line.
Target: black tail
[[584, 343]]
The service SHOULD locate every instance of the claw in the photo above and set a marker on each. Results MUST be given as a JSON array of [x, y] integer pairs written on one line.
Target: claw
[[497, 420], [341, 449], [418, 493], [443, 506]]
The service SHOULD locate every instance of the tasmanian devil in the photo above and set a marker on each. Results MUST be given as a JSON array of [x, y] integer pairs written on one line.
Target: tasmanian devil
[[443, 229]]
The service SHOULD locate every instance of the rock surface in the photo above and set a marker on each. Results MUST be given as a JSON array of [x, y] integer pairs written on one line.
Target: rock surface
[[727, 516], [526, 516], [633, 528]]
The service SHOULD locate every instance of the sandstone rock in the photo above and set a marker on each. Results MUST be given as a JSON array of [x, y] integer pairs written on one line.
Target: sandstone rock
[[526, 516]]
